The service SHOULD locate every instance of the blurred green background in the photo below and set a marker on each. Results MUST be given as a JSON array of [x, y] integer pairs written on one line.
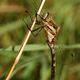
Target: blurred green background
[[35, 61]]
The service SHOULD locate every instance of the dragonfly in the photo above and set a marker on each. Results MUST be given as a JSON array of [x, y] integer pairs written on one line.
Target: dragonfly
[[51, 30]]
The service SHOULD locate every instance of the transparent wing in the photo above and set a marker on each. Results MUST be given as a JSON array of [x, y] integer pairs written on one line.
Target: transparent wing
[[28, 17]]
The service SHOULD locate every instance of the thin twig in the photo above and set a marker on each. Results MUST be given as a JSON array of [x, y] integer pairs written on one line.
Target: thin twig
[[24, 43]]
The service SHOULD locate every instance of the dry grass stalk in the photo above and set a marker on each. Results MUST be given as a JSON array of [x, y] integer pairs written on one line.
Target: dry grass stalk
[[24, 43]]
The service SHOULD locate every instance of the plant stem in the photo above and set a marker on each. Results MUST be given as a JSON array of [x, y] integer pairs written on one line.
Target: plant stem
[[25, 40]]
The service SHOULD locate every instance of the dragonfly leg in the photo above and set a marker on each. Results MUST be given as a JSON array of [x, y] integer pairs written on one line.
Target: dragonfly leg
[[37, 21], [32, 31], [27, 25], [39, 29], [40, 17], [29, 15]]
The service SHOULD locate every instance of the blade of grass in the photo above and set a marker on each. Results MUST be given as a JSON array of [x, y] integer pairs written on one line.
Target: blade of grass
[[38, 47]]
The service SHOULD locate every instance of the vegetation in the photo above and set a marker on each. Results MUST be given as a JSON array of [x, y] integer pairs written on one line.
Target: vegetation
[[35, 61]]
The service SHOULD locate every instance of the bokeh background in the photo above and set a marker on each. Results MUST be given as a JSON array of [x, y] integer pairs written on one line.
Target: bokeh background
[[35, 61]]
